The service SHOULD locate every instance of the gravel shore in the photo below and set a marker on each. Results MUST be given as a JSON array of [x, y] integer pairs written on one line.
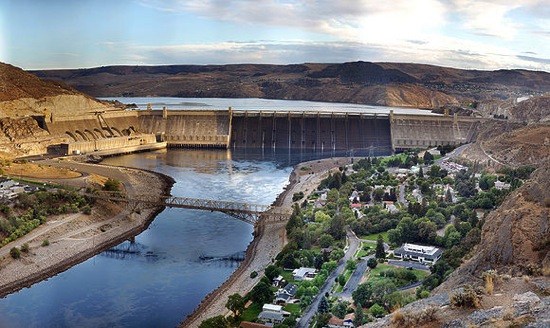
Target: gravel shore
[[268, 242]]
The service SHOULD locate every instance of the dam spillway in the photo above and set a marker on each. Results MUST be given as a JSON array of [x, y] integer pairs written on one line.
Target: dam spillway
[[310, 131]]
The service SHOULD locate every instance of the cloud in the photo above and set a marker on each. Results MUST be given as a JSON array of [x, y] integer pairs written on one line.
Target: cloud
[[535, 59]]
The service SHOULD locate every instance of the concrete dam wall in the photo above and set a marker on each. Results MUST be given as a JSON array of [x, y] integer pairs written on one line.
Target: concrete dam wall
[[187, 128], [311, 131]]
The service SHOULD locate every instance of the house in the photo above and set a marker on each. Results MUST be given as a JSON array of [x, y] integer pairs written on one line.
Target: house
[[7, 183], [272, 314], [501, 185], [304, 274], [278, 281], [418, 253], [283, 295], [347, 322], [392, 208]]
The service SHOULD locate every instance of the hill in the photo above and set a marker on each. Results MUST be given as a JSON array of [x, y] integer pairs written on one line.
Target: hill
[[390, 84]]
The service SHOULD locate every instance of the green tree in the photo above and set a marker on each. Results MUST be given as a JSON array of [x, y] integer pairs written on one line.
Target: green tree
[[342, 280], [380, 251], [362, 295], [260, 294], [351, 265], [235, 303], [322, 319], [359, 317], [111, 185], [215, 322], [340, 309], [377, 311], [15, 252], [323, 306], [272, 272], [372, 263], [326, 240], [337, 227]]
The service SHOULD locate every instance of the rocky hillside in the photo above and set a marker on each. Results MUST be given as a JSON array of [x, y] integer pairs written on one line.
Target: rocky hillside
[[391, 84], [23, 94]]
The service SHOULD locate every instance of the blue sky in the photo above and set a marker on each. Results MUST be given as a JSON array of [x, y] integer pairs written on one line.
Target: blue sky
[[473, 34]]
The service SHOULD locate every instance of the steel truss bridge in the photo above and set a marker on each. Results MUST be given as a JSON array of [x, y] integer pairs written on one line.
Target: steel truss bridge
[[249, 213]]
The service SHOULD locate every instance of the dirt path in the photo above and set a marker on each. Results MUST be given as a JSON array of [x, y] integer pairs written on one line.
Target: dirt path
[[268, 242]]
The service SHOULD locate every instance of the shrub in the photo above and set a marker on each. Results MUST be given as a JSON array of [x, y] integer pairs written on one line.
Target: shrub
[[45, 242], [253, 274], [87, 210], [15, 253], [25, 248], [465, 298], [489, 277]]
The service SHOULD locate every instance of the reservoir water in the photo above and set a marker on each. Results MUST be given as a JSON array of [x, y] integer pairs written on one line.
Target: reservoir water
[[162, 276]]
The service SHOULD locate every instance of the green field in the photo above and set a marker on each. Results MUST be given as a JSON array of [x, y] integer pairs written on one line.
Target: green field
[[374, 236], [252, 312]]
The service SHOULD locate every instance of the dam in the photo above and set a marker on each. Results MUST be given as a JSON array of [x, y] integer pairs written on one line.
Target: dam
[[349, 130]]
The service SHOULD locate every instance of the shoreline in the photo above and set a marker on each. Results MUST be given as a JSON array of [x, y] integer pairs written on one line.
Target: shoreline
[[61, 254], [265, 245]]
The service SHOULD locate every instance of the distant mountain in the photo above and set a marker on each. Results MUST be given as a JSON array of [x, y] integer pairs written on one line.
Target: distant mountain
[[391, 84]]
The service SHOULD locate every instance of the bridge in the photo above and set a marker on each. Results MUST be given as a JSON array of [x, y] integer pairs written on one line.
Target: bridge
[[249, 213]]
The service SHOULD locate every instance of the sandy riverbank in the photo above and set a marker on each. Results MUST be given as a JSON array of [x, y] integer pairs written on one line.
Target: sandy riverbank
[[268, 242], [76, 237]]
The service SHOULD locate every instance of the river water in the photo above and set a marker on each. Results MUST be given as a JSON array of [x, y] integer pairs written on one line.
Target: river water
[[162, 276]]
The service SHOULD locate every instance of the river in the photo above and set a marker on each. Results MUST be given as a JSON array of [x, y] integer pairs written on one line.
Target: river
[[163, 275]]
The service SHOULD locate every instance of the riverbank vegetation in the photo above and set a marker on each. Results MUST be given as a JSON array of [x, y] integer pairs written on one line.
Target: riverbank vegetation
[[399, 199], [30, 210]]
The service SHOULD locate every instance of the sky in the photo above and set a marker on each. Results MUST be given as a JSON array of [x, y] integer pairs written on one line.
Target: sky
[[469, 34]]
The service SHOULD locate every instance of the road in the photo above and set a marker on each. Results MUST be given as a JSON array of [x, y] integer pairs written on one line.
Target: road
[[402, 199], [354, 280], [310, 312]]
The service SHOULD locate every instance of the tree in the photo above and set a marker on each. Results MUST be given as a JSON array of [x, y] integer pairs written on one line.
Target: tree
[[362, 294], [380, 251], [326, 240], [272, 272], [340, 309], [235, 303], [15, 252], [215, 322], [372, 263], [322, 319], [337, 227], [351, 265], [111, 185], [377, 311], [323, 305], [359, 317], [428, 157], [260, 294], [341, 280]]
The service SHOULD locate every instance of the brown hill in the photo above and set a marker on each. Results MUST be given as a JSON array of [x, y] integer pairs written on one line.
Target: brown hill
[[22, 94], [392, 84]]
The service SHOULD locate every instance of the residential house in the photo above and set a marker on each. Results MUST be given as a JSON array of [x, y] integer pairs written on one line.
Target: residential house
[[279, 281], [304, 274], [347, 322], [418, 253], [7, 183], [283, 295], [272, 314]]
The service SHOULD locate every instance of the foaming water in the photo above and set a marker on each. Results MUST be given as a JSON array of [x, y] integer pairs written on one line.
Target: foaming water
[[160, 277]]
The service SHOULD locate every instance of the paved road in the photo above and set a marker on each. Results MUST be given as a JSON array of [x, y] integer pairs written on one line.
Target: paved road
[[413, 265], [402, 199], [310, 312], [354, 280]]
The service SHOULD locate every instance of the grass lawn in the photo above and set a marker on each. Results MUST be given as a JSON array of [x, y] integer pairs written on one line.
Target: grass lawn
[[252, 312], [288, 276], [384, 161], [374, 236], [374, 275], [292, 308]]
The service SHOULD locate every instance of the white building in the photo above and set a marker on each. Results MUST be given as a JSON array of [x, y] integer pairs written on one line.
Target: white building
[[304, 274], [418, 253]]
